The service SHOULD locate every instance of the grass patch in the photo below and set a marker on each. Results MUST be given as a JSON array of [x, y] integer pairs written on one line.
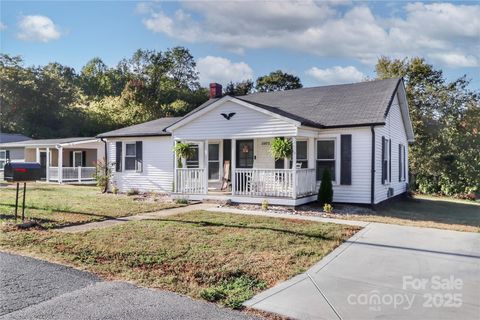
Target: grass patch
[[61, 205], [429, 211], [220, 257]]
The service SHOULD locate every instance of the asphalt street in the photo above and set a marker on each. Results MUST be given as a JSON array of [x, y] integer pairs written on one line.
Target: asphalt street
[[35, 289]]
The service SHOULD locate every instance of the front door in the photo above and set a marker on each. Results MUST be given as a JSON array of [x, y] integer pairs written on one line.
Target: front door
[[43, 164], [245, 154]]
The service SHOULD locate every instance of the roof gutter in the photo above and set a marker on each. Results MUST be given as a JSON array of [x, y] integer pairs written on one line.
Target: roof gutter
[[372, 182]]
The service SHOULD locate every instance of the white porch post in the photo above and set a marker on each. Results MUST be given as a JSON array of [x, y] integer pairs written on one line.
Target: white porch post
[[37, 155], [233, 164], [48, 165], [60, 164], [294, 167], [175, 164], [311, 153], [205, 165]]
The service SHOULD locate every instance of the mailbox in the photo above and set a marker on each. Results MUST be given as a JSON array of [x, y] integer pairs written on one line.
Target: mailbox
[[22, 171]]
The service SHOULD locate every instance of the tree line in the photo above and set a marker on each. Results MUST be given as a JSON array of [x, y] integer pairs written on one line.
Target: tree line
[[56, 101]]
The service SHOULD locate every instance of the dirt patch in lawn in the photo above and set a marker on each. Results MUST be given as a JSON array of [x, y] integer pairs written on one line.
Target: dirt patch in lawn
[[219, 257]]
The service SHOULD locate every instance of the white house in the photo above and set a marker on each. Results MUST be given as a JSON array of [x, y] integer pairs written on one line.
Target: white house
[[360, 132], [65, 160], [13, 154]]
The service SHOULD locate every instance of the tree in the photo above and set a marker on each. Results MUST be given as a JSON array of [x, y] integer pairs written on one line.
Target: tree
[[325, 193], [278, 81], [239, 88], [445, 156]]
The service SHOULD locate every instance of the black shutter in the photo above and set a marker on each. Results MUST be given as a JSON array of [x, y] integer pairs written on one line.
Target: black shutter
[[7, 155], [383, 160], [400, 162], [118, 156], [84, 158], [139, 156], [404, 162], [389, 160], [346, 159], [71, 159]]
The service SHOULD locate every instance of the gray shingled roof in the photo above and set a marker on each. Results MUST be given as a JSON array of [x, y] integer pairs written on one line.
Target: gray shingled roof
[[12, 137], [45, 142], [342, 105], [150, 128], [330, 106]]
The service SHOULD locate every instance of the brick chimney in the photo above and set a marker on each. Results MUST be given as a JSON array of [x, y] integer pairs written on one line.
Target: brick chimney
[[215, 90]]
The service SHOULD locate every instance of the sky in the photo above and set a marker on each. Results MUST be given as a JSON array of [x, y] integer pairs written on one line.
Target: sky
[[322, 42]]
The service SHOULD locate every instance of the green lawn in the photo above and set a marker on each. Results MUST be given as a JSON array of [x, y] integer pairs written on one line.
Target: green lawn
[[60, 205], [220, 257], [429, 211]]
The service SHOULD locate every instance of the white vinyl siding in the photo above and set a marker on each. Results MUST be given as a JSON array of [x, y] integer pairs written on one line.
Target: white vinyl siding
[[393, 130], [245, 124], [359, 190], [157, 174]]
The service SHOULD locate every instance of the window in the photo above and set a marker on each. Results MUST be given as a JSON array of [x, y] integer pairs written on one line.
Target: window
[[302, 153], [213, 161], [385, 160], [3, 158], [77, 159], [130, 156], [325, 158], [193, 161]]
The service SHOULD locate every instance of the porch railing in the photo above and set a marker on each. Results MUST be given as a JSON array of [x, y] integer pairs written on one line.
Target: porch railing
[[190, 181], [275, 182], [71, 174], [306, 180]]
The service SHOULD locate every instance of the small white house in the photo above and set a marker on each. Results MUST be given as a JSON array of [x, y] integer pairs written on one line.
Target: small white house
[[65, 160], [11, 154], [360, 132]]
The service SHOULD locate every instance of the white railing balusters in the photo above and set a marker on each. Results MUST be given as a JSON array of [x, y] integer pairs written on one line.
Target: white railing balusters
[[79, 174], [190, 181]]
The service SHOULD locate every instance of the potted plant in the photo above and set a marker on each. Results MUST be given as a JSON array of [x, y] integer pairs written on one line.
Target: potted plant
[[281, 148], [183, 151]]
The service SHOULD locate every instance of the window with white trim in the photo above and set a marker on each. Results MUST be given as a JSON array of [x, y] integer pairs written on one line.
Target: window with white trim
[[3, 158], [302, 153], [194, 160], [326, 158], [130, 156]]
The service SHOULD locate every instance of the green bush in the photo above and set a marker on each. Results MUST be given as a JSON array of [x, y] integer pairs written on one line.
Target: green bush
[[133, 192], [181, 201], [325, 193]]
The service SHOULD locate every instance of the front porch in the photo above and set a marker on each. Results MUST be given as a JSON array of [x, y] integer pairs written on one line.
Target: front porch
[[245, 171]]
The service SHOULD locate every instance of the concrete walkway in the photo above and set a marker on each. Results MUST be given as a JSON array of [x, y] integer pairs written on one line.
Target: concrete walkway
[[386, 272], [144, 216]]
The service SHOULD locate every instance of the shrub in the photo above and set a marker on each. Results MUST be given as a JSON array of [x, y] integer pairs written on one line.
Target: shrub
[[325, 193], [265, 205], [327, 208], [103, 175], [181, 201], [133, 192]]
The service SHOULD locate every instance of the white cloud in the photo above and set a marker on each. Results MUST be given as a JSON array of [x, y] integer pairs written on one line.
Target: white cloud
[[456, 60], [2, 26], [336, 75], [37, 28], [324, 29], [222, 70]]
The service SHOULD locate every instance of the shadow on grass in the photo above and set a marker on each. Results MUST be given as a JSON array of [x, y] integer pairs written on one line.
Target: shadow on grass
[[241, 226], [440, 211]]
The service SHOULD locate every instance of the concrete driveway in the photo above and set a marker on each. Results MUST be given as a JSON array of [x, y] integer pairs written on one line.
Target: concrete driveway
[[386, 272], [35, 289]]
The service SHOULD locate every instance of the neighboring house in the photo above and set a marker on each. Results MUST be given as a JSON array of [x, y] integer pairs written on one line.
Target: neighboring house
[[359, 131], [65, 160], [12, 154]]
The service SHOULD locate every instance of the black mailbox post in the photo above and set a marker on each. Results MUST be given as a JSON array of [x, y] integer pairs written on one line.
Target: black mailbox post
[[21, 172]]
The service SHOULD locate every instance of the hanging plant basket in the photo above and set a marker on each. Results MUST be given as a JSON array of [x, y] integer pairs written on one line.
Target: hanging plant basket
[[281, 148], [183, 151]]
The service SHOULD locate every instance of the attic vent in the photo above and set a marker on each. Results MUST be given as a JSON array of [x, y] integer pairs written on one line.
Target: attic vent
[[390, 192]]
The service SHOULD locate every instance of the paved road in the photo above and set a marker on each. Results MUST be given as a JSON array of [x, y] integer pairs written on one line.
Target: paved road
[[34, 289], [387, 272]]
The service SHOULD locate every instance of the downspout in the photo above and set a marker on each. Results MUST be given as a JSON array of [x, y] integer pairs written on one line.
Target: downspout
[[106, 163], [372, 183]]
